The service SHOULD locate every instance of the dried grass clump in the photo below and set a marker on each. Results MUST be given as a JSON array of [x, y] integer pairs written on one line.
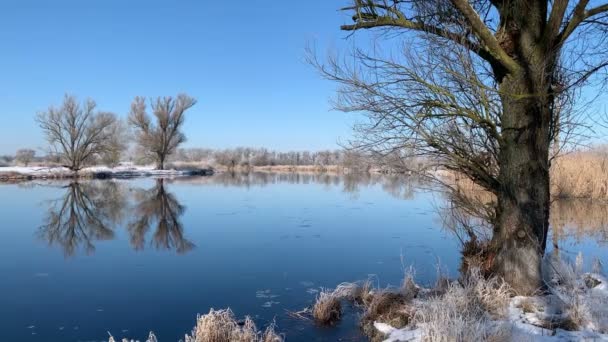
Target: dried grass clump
[[221, 326], [527, 306], [409, 288], [327, 309], [465, 311], [578, 313], [359, 293], [387, 307]]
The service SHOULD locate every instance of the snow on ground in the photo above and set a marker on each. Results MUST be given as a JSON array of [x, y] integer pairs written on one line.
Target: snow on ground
[[33, 170], [582, 299], [118, 172]]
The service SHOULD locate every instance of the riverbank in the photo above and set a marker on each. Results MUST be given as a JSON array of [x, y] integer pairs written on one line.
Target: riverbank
[[18, 173], [471, 308]]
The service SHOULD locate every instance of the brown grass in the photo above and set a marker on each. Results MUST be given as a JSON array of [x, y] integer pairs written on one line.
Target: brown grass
[[581, 175], [222, 326], [453, 311], [327, 309], [386, 306], [360, 293]]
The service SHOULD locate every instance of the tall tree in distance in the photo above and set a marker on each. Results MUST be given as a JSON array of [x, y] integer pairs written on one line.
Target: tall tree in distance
[[25, 156], [484, 88], [160, 139], [78, 133]]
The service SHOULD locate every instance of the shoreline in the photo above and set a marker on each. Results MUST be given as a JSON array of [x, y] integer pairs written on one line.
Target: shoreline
[[20, 174]]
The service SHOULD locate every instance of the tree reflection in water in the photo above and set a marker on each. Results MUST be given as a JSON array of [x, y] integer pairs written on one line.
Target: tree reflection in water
[[397, 185], [579, 219], [87, 212], [157, 207], [91, 211]]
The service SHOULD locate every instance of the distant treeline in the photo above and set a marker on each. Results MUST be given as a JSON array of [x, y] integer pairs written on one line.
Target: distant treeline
[[260, 157], [243, 157], [246, 156]]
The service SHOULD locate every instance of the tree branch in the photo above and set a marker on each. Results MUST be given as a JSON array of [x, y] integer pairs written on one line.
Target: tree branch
[[555, 20], [402, 22], [578, 16], [485, 35]]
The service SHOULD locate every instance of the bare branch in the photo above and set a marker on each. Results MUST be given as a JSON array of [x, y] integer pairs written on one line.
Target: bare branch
[[578, 16], [486, 36]]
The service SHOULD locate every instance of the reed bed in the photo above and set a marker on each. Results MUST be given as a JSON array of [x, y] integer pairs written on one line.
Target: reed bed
[[578, 175], [581, 175]]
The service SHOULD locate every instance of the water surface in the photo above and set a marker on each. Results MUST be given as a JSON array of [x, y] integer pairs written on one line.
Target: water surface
[[81, 259]]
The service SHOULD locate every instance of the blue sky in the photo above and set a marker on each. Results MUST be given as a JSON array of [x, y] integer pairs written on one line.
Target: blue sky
[[245, 65]]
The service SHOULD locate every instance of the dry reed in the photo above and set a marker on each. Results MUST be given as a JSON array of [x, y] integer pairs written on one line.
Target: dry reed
[[222, 326], [466, 311], [327, 308], [581, 175]]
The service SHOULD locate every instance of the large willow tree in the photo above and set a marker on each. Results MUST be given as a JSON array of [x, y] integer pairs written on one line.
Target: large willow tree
[[484, 88]]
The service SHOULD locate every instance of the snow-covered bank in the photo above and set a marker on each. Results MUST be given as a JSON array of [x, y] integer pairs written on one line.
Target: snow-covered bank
[[18, 173], [575, 310]]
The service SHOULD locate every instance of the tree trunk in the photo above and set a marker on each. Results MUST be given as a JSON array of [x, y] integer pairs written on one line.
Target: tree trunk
[[522, 220], [161, 162]]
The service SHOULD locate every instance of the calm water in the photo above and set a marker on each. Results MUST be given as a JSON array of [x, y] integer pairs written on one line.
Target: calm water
[[79, 260]]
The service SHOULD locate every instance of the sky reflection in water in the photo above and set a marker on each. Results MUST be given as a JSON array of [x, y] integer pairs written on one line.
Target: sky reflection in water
[[80, 259]]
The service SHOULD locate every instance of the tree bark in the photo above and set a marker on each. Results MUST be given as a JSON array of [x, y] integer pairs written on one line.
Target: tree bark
[[522, 220]]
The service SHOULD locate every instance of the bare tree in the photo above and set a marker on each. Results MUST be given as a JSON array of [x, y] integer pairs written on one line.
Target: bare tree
[[25, 156], [484, 88], [162, 138], [77, 133]]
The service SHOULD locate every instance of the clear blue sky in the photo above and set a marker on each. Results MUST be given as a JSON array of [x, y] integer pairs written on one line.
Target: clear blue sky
[[245, 65]]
